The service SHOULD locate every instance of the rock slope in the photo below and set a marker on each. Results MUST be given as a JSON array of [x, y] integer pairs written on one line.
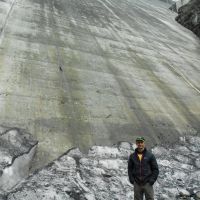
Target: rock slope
[[177, 4], [102, 174], [189, 16]]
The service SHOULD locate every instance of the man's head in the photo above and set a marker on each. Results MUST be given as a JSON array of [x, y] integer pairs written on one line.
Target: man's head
[[140, 142]]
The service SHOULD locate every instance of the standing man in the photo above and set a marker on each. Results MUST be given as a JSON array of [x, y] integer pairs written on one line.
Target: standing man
[[142, 171]]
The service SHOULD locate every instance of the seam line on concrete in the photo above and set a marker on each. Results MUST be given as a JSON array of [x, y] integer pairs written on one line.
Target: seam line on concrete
[[109, 9], [185, 79], [6, 20]]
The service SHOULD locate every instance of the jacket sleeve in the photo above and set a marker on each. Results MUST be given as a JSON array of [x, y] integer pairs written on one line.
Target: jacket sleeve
[[130, 170], [154, 169]]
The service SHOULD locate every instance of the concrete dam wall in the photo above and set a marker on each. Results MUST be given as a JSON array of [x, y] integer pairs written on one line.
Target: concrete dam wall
[[80, 73]]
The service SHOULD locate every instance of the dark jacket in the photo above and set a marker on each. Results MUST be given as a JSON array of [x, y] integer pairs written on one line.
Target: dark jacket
[[142, 171]]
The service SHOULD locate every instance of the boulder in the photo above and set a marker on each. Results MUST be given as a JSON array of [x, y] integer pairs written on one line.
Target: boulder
[[189, 16], [197, 195], [177, 4]]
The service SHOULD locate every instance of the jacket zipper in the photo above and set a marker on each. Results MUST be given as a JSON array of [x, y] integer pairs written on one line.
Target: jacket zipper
[[140, 170], [141, 167]]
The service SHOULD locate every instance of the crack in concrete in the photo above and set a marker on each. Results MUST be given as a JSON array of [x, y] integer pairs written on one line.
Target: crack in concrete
[[6, 20]]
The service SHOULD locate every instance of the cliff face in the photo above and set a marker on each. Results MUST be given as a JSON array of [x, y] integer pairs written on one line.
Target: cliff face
[[189, 16], [177, 4], [80, 73]]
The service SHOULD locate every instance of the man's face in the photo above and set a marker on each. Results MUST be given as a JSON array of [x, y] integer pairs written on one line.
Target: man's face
[[140, 145]]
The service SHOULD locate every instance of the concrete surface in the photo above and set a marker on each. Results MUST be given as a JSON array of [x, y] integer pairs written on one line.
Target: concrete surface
[[80, 73]]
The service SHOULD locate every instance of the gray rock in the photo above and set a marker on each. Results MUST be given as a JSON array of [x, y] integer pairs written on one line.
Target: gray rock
[[102, 174], [178, 4], [197, 195], [17, 149], [189, 16], [184, 193], [197, 163]]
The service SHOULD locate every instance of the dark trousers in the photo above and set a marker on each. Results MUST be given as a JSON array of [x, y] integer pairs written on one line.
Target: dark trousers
[[141, 190]]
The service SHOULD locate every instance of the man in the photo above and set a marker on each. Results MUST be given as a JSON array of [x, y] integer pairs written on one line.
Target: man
[[142, 171]]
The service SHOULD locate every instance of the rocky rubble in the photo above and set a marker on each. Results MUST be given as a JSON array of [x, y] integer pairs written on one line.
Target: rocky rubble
[[102, 174], [17, 149], [189, 16], [177, 4]]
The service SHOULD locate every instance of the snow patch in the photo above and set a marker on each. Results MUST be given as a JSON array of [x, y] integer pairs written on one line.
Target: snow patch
[[17, 171]]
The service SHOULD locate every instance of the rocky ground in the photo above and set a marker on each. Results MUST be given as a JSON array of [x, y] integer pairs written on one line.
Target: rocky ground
[[189, 16], [102, 174], [177, 4], [17, 149]]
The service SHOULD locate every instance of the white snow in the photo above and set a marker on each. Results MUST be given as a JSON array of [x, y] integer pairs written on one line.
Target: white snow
[[164, 162], [104, 151], [17, 171], [111, 164]]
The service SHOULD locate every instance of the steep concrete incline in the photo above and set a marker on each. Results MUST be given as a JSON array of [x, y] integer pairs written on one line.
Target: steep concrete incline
[[76, 73]]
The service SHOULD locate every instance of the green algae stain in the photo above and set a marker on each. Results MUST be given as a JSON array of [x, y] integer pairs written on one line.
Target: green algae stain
[[1, 63], [72, 106], [5, 79], [170, 93]]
